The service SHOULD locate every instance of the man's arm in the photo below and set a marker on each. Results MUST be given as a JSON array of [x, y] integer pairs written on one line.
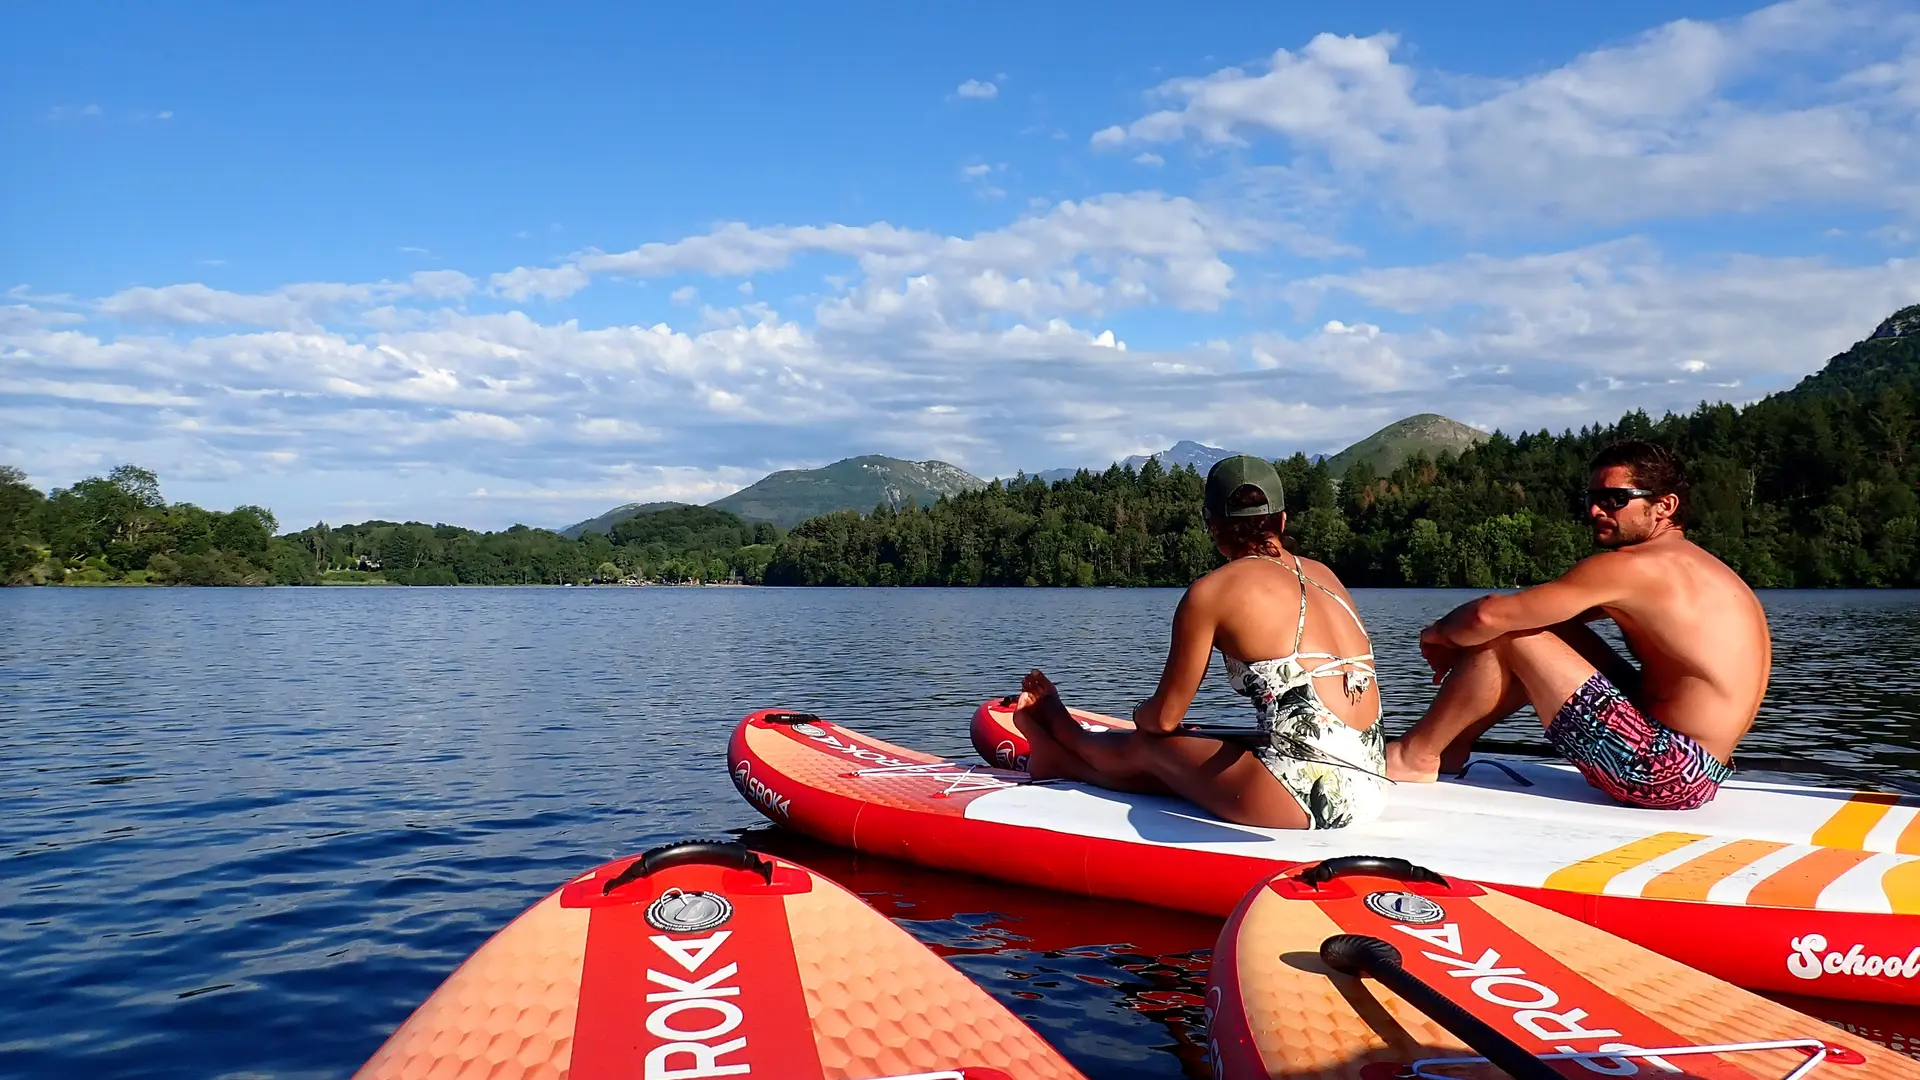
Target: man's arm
[[1187, 659], [1578, 595]]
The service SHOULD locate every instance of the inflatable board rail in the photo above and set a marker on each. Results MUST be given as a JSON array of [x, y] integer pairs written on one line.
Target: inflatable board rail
[[1461, 981], [1761, 913], [706, 959]]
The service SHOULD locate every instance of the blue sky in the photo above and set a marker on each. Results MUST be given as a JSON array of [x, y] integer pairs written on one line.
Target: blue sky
[[364, 262]]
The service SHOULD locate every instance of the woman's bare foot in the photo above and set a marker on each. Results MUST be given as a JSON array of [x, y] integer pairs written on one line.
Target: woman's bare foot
[[1037, 713], [1402, 768]]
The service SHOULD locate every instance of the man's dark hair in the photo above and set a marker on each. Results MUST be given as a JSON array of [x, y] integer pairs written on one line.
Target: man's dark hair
[[1654, 467]]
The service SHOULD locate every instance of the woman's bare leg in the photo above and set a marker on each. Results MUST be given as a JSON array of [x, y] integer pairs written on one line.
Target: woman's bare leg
[[1222, 779], [1060, 749]]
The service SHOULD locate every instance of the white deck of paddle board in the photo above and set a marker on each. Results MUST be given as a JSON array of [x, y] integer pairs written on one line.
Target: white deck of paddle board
[[1750, 809], [1485, 827]]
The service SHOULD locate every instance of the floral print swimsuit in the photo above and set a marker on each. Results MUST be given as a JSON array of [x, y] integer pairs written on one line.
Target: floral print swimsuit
[[1337, 773]]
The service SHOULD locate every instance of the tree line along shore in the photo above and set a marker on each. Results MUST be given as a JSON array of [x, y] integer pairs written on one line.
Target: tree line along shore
[[1799, 490]]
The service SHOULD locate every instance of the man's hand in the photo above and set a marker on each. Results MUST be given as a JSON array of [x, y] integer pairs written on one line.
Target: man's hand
[[1440, 654]]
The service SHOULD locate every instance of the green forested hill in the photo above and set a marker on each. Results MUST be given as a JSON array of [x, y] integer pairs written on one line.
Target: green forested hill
[[117, 528], [1890, 357], [1428, 433], [605, 522], [790, 496]]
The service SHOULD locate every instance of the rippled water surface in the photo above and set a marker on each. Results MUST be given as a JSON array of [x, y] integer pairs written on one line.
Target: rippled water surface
[[247, 831]]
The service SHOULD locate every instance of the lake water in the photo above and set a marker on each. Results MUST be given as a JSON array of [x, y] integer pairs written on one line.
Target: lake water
[[247, 831]]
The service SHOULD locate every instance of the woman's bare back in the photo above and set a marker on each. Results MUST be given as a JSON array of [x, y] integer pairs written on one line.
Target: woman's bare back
[[1255, 604]]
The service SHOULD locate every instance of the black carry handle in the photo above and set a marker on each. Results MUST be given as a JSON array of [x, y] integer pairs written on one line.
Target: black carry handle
[[1361, 954], [1326, 870], [790, 718], [724, 852]]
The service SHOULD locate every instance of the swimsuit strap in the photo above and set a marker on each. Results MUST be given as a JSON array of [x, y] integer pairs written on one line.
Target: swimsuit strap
[[1360, 662], [1358, 665], [1300, 631], [1351, 614]]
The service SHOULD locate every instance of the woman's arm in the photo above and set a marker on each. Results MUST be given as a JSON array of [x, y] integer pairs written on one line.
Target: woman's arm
[[1187, 659]]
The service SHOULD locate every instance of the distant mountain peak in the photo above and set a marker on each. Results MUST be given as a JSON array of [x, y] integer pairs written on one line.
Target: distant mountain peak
[[791, 496], [1888, 357], [1902, 323], [1426, 433], [1183, 452]]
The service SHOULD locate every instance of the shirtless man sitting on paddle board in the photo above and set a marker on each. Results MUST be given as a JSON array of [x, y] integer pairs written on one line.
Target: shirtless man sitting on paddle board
[[1659, 736]]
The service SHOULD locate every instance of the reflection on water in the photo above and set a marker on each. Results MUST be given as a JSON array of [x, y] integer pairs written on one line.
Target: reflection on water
[[249, 830]]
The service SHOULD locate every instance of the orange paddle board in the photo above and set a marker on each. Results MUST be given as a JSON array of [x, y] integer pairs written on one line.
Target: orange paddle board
[[705, 959], [1309, 980]]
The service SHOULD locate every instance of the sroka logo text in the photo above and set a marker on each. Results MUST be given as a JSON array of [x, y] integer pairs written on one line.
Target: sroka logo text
[[693, 1016], [1811, 959], [1532, 1003], [758, 793]]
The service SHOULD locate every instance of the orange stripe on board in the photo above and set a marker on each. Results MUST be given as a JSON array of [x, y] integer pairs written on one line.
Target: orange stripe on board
[[1798, 884], [1849, 826], [1909, 842], [1902, 884], [1692, 879], [1592, 875]]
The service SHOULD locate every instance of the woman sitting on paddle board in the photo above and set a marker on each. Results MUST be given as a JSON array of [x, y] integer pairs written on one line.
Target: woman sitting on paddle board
[[1292, 643]]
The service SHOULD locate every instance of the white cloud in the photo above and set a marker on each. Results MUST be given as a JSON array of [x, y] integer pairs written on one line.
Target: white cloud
[[291, 306], [1132, 249], [554, 283], [977, 90], [201, 304], [1623, 316], [977, 175], [1149, 159], [1693, 117], [440, 284], [685, 294], [907, 364]]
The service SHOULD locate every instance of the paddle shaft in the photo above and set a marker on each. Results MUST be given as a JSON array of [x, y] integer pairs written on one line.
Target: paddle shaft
[[1361, 954]]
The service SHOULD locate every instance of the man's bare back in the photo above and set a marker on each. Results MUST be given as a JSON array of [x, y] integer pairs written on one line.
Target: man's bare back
[[1660, 736]]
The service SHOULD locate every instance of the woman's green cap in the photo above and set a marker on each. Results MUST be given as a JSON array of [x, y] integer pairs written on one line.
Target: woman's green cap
[[1229, 475]]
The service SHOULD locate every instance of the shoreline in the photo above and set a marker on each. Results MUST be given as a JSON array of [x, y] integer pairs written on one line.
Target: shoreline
[[745, 585]]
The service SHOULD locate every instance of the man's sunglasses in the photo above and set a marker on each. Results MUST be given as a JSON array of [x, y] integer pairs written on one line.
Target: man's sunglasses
[[1615, 499]]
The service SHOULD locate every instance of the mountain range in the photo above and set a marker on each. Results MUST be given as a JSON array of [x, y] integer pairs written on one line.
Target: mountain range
[[1184, 452], [791, 496]]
